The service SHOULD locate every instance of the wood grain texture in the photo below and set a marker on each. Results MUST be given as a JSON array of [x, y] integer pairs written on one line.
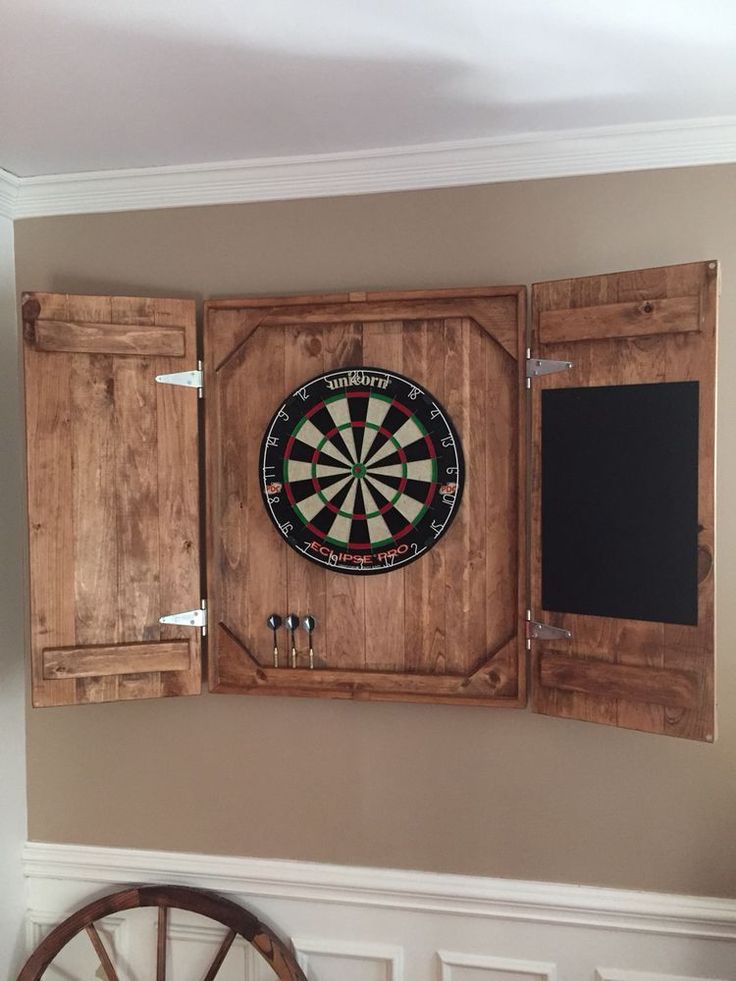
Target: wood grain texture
[[678, 689], [425, 640], [50, 519], [105, 962], [161, 936], [682, 349], [94, 489], [118, 659], [78, 338], [361, 296], [113, 501], [492, 683], [304, 357], [425, 632], [666, 315]]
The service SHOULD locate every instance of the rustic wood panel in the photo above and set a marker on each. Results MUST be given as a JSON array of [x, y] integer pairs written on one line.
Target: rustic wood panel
[[307, 583], [678, 689], [505, 409], [95, 479], [50, 519], [494, 682], [136, 478], [178, 502], [112, 497], [667, 315], [683, 349], [113, 660], [693, 648], [444, 628], [76, 338], [425, 638]]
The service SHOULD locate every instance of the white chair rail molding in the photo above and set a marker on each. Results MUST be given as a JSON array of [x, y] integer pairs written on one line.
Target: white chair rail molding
[[365, 924]]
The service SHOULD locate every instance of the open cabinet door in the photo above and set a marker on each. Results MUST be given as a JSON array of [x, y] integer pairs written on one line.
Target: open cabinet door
[[113, 497], [623, 498]]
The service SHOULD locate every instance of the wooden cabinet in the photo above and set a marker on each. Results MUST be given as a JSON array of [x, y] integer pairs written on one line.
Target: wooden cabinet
[[446, 627], [457, 541]]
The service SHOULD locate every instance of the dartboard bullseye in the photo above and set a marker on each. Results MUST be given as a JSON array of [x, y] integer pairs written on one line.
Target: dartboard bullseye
[[361, 470]]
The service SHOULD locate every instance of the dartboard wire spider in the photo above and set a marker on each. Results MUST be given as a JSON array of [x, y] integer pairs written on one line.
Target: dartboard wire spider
[[237, 921]]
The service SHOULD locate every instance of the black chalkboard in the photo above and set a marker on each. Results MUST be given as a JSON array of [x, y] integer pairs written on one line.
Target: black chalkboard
[[620, 501]]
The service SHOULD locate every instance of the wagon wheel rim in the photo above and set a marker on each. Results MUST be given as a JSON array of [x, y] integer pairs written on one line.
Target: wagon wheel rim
[[238, 921]]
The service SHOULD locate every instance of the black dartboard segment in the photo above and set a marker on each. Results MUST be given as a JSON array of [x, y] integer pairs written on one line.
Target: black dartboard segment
[[361, 470]]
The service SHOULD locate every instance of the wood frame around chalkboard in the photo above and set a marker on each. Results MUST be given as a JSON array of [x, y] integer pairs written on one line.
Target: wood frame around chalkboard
[[118, 495]]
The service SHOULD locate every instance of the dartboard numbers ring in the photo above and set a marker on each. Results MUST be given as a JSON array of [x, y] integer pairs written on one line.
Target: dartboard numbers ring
[[361, 470]]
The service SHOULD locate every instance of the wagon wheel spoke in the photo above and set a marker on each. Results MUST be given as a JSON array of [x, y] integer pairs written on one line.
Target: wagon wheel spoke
[[235, 921], [163, 916], [220, 956], [106, 963]]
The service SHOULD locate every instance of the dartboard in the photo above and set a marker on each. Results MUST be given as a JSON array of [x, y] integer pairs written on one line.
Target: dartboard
[[361, 470]]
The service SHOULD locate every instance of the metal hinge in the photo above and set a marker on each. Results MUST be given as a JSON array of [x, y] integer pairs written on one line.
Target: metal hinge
[[189, 618], [544, 631], [543, 366], [189, 379]]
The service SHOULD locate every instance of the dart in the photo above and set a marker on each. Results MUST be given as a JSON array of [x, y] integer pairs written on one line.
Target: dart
[[273, 623], [292, 622], [309, 623]]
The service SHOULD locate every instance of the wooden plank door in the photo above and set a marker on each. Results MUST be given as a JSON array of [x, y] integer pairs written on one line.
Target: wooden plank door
[[445, 628], [113, 497], [623, 498]]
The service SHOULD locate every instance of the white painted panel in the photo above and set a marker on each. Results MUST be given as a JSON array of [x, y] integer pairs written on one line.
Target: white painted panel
[[488, 974], [334, 967], [348, 960], [358, 924], [192, 947], [130, 940], [480, 967], [614, 974], [79, 959]]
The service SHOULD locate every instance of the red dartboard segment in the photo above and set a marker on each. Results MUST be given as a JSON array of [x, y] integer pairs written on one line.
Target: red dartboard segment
[[365, 473]]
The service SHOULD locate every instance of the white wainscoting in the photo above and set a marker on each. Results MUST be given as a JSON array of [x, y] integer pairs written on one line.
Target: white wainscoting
[[358, 924]]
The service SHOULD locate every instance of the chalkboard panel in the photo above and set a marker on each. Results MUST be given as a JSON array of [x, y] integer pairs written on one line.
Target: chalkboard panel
[[620, 501]]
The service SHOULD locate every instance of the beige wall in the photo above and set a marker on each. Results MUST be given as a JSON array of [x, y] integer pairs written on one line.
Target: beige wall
[[469, 790]]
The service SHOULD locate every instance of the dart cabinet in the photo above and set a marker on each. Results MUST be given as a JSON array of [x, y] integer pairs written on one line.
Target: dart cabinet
[[467, 505]]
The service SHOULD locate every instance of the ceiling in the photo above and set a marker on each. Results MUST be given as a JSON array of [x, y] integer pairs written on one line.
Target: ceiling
[[90, 85]]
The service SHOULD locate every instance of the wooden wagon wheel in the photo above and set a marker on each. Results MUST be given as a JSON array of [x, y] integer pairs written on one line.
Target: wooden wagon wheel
[[238, 921]]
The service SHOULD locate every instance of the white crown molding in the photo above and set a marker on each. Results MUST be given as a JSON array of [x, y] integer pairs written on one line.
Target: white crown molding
[[506, 899], [9, 188], [609, 149]]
